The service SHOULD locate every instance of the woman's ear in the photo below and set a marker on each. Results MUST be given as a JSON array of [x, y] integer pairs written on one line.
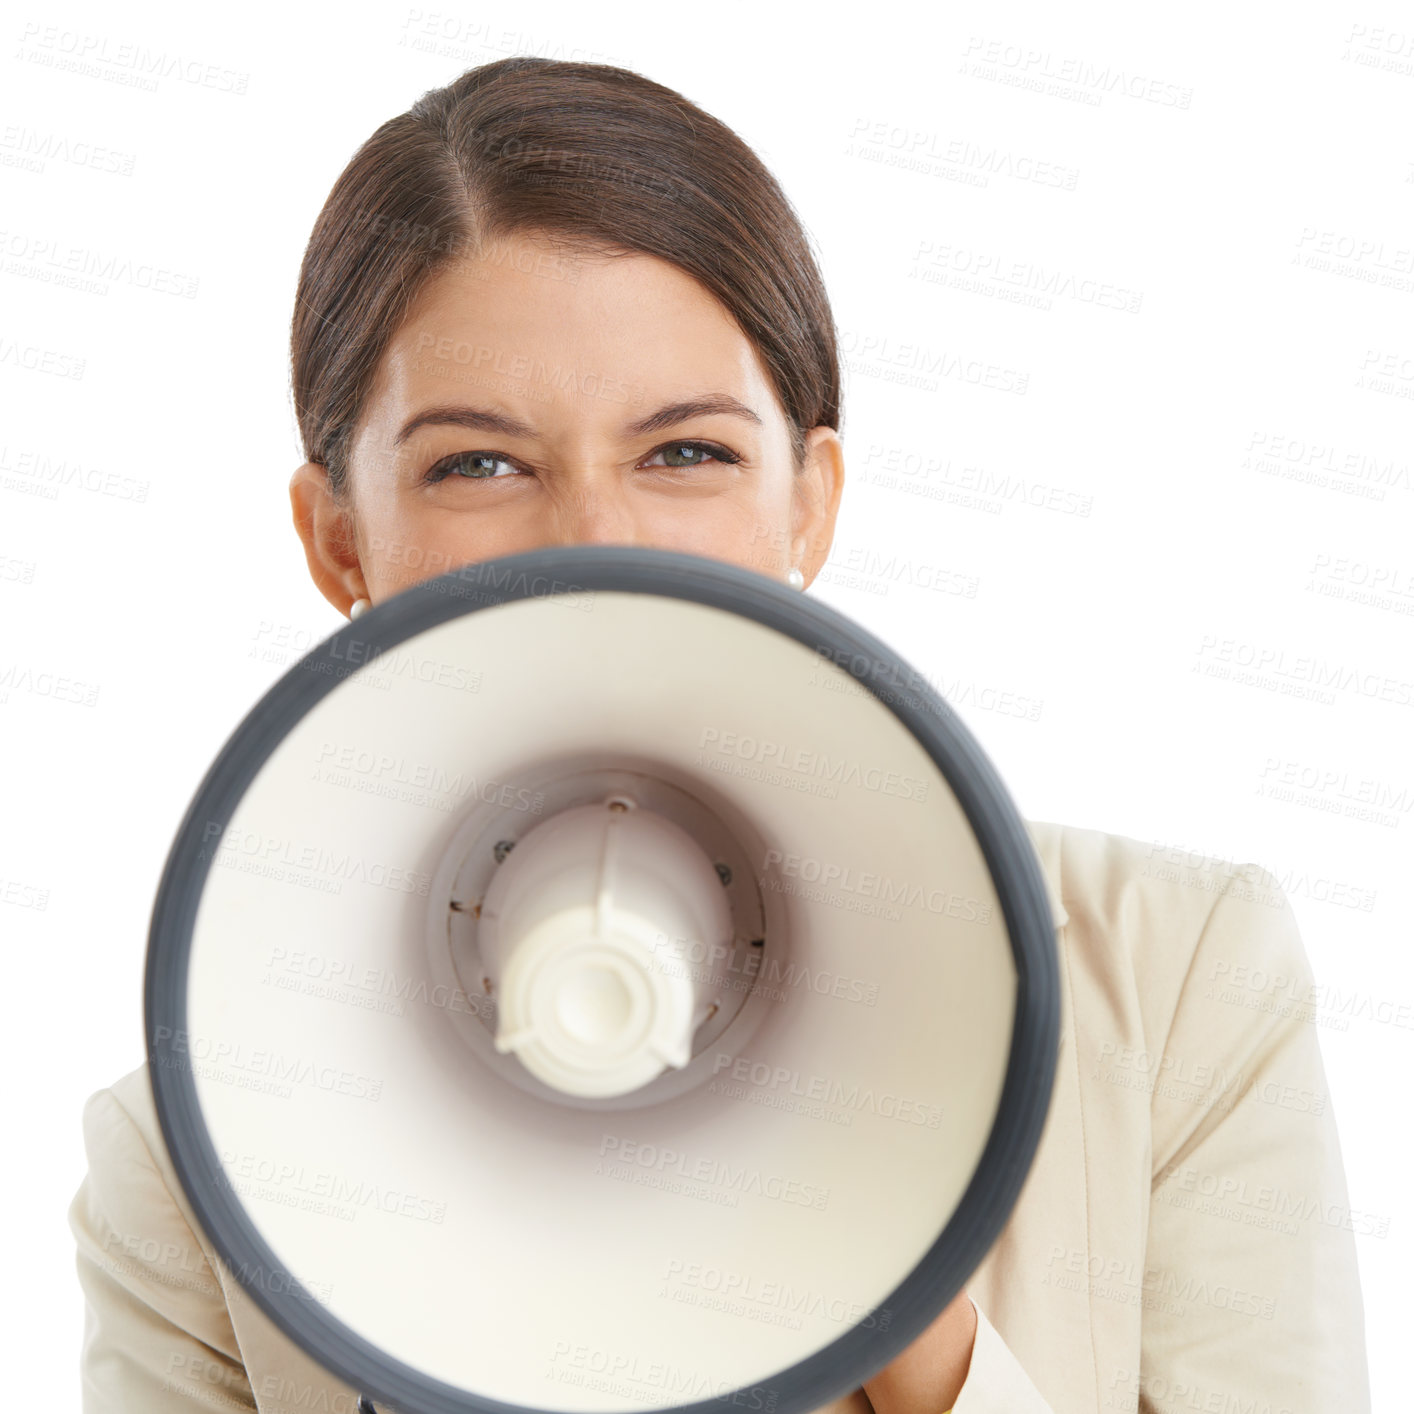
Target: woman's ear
[[816, 502], [327, 532]]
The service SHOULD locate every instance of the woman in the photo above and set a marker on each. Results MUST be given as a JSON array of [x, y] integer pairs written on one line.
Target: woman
[[571, 285]]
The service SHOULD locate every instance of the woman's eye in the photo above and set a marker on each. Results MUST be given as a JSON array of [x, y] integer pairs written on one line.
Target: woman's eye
[[480, 466], [678, 452]]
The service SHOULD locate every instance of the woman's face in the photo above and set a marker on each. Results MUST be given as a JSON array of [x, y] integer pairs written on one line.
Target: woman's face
[[533, 398]]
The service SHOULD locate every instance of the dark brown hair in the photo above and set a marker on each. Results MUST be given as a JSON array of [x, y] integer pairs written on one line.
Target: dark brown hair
[[594, 157]]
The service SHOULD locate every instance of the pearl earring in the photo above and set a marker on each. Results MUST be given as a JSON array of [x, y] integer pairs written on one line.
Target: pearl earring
[[357, 607], [795, 579]]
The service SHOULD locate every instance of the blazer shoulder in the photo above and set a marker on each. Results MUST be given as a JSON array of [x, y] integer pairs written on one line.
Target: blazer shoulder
[[127, 1105], [1138, 911], [1107, 878]]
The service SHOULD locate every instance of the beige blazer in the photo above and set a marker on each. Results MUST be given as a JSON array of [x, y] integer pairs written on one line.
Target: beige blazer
[[1183, 1240]]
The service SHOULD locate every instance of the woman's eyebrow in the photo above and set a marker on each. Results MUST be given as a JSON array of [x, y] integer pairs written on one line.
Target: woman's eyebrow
[[711, 403], [479, 420]]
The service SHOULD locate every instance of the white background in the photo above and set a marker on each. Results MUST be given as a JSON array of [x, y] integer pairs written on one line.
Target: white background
[[1228, 466]]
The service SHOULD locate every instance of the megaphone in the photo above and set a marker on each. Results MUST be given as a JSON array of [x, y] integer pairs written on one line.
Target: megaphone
[[646, 957]]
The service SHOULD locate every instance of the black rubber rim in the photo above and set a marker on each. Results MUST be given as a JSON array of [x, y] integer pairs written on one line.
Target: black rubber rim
[[1000, 831]]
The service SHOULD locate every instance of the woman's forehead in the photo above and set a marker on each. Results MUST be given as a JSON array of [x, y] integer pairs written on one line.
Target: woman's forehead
[[628, 334]]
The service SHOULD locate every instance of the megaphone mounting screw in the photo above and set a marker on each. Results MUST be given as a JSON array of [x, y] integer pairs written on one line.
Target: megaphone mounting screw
[[724, 873], [503, 848]]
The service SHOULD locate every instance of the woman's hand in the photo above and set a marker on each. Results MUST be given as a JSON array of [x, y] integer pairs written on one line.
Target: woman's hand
[[928, 1377]]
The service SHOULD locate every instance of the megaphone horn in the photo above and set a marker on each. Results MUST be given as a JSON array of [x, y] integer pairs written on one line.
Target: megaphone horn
[[602, 979]]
